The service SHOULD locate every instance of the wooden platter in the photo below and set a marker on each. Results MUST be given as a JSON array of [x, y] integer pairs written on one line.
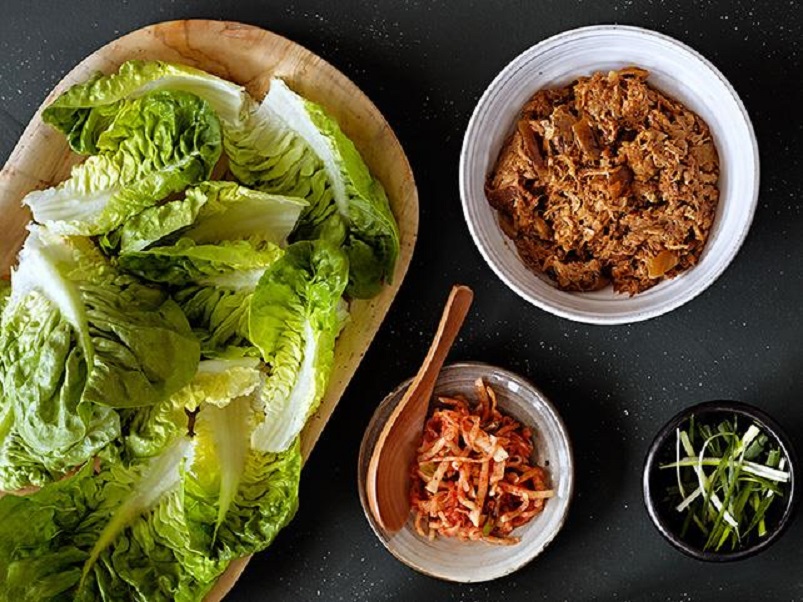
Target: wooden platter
[[249, 56]]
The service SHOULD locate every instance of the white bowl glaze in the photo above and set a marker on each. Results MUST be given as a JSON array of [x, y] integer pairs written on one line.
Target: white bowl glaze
[[472, 562], [675, 69]]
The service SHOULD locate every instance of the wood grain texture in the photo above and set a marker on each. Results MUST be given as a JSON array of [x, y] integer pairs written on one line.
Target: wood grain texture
[[388, 479], [249, 56]]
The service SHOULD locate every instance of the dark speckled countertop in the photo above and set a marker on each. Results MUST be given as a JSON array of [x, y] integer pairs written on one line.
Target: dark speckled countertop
[[425, 64]]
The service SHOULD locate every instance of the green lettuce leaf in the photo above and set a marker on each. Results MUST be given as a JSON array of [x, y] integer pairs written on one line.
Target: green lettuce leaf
[[35, 563], [77, 340], [148, 431], [222, 442], [85, 110], [237, 498], [161, 476], [213, 212], [220, 317], [45, 426], [229, 264], [141, 345], [120, 534], [291, 146], [265, 501], [161, 529], [5, 293], [216, 282], [294, 319], [153, 146]]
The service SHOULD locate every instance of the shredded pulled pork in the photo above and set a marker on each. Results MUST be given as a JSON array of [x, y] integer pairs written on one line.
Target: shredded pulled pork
[[607, 181], [473, 478]]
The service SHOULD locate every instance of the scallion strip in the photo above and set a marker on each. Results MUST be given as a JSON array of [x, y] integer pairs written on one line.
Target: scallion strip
[[727, 478]]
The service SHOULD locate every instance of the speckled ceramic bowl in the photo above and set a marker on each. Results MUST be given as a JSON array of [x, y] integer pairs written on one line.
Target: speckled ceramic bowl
[[472, 562], [676, 70]]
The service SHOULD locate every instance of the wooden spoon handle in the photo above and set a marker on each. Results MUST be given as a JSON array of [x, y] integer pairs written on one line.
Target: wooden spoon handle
[[454, 314], [388, 478]]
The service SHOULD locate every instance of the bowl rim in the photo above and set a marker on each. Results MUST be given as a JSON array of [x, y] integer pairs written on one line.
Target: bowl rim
[[712, 407], [591, 316], [569, 475]]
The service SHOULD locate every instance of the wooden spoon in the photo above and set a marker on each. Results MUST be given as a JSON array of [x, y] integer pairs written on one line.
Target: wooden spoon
[[387, 484]]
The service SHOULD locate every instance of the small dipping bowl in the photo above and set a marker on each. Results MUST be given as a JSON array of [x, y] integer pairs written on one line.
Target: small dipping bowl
[[669, 521], [475, 561]]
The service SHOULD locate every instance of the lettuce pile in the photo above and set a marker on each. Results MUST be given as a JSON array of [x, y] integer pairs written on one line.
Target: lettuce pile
[[170, 327]]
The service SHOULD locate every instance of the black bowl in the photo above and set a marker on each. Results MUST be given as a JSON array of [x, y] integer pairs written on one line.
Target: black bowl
[[655, 482]]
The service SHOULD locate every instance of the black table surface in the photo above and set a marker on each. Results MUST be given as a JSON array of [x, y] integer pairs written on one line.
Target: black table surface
[[425, 64]]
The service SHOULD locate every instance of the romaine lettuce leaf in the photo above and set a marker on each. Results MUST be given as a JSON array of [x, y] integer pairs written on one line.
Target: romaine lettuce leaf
[[160, 477], [236, 498], [49, 426], [222, 442], [220, 317], [228, 264], [153, 146], [152, 530], [77, 340], [217, 282], [291, 146], [214, 212], [85, 110], [294, 319], [46, 428], [35, 563], [141, 346], [163, 223], [148, 431], [131, 518], [265, 501]]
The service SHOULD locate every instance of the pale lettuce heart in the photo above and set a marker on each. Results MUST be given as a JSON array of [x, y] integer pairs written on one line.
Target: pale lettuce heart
[[221, 446], [43, 262], [155, 145], [219, 381], [237, 498]]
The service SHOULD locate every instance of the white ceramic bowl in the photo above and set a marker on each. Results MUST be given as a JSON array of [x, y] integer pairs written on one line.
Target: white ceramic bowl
[[675, 69], [472, 562]]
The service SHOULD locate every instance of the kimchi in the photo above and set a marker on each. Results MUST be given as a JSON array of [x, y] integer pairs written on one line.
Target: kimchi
[[474, 477]]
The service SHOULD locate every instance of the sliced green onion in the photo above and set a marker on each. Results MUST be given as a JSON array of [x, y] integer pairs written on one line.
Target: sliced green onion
[[759, 470], [726, 482]]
